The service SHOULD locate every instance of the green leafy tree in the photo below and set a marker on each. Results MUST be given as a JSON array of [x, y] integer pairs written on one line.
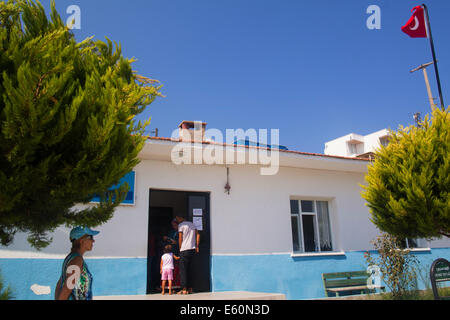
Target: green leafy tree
[[408, 185], [67, 123]]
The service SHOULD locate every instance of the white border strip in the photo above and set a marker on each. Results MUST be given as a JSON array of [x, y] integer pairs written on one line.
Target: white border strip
[[13, 254], [294, 255], [318, 254], [7, 254], [251, 254]]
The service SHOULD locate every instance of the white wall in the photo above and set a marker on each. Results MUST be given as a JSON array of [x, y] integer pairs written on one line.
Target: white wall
[[254, 218], [337, 146], [372, 141]]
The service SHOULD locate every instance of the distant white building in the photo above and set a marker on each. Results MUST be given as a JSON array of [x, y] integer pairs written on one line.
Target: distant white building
[[356, 145]]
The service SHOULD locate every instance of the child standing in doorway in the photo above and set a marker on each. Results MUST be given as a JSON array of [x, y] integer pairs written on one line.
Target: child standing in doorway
[[167, 267]]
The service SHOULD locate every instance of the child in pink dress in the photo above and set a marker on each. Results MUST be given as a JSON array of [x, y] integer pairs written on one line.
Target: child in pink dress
[[167, 267]]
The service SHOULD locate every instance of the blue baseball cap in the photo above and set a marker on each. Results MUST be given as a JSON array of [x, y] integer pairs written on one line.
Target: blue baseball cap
[[78, 232]]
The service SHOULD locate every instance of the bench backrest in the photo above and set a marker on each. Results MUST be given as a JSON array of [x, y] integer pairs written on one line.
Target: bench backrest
[[345, 279]]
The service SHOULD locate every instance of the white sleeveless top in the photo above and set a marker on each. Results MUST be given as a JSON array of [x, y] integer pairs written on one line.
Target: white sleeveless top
[[167, 261]]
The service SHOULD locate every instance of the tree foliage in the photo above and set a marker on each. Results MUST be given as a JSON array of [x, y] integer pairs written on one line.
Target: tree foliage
[[67, 123], [398, 266], [409, 182]]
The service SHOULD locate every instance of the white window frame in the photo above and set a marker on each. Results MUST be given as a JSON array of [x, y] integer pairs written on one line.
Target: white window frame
[[316, 227]]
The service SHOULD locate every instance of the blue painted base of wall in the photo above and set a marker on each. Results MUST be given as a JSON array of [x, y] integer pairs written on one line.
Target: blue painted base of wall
[[298, 278], [111, 276]]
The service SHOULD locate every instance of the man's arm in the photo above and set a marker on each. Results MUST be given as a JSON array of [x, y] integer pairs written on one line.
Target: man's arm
[[180, 239], [197, 236]]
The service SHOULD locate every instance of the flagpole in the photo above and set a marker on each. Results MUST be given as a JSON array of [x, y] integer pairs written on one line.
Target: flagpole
[[436, 71]]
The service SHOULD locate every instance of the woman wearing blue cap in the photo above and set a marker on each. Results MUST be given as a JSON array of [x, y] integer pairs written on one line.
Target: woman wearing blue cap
[[75, 282]]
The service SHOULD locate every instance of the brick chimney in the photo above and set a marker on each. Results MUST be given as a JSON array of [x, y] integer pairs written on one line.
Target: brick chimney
[[192, 131]]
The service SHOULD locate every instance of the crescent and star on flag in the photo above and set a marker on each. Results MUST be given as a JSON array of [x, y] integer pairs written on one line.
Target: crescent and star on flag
[[416, 21], [416, 26]]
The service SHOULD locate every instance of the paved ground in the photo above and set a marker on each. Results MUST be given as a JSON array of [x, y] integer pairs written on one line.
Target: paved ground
[[235, 295]]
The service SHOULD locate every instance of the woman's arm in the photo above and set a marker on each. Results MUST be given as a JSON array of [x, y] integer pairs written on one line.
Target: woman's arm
[[73, 272], [57, 289]]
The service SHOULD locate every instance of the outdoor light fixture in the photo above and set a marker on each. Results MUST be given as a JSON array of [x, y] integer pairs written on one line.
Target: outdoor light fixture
[[227, 186]]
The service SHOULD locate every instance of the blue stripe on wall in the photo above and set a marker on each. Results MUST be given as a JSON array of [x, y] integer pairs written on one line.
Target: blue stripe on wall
[[21, 274], [111, 276], [297, 278]]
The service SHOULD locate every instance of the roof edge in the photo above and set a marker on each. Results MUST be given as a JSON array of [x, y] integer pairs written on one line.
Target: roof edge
[[176, 140]]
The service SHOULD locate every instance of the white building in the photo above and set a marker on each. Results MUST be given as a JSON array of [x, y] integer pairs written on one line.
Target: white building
[[356, 145], [273, 233]]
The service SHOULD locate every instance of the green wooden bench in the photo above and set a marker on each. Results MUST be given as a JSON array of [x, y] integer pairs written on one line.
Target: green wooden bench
[[355, 281]]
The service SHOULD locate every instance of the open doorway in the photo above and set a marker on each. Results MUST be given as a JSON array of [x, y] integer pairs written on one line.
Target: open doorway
[[163, 207]]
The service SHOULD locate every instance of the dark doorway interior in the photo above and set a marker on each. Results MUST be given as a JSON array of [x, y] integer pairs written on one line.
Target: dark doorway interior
[[163, 206]]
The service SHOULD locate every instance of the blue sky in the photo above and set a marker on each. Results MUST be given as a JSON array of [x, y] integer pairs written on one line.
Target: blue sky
[[311, 69]]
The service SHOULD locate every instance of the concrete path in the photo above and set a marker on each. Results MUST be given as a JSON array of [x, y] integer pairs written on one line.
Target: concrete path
[[234, 295]]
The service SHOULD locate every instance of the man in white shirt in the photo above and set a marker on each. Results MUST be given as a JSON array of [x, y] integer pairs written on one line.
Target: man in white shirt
[[189, 239]]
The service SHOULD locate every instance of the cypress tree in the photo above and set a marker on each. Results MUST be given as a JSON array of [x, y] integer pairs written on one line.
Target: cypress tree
[[408, 185], [67, 123]]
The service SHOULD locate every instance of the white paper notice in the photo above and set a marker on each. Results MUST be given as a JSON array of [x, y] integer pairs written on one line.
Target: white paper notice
[[198, 223], [198, 212]]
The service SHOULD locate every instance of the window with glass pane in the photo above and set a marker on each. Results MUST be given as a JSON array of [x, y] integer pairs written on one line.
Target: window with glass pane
[[307, 206], [294, 207], [324, 226], [311, 228], [352, 148], [309, 235], [409, 243], [412, 243]]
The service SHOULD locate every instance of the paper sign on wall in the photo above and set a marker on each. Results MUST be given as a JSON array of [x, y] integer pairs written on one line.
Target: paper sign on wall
[[198, 223], [198, 212]]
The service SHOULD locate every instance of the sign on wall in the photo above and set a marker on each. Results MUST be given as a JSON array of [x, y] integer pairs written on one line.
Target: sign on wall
[[129, 178], [439, 273]]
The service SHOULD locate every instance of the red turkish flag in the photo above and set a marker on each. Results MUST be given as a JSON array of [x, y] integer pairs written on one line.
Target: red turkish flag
[[416, 27]]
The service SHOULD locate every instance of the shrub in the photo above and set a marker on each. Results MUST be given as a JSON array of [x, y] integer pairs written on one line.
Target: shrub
[[397, 266], [5, 293]]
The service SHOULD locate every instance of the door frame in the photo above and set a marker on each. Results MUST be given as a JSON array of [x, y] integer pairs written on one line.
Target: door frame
[[207, 195]]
